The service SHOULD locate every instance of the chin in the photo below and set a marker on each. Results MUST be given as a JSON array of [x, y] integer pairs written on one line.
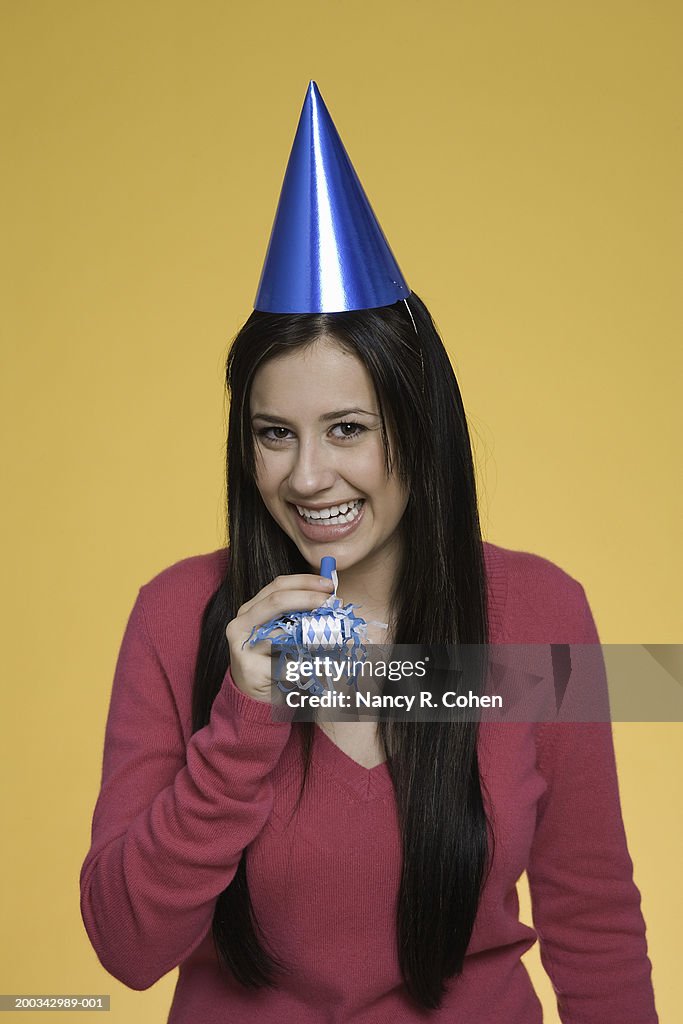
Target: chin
[[347, 560]]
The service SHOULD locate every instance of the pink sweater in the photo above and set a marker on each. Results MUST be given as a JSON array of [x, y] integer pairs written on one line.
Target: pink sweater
[[176, 811]]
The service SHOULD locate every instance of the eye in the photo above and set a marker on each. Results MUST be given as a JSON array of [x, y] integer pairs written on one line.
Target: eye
[[278, 435], [356, 429], [267, 434]]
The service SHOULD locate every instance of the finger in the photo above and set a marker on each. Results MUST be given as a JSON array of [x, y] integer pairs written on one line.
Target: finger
[[296, 581], [276, 604]]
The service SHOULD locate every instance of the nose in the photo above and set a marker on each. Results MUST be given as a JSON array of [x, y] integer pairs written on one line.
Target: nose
[[313, 470]]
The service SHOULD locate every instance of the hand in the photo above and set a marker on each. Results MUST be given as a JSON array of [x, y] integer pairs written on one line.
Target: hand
[[251, 666]]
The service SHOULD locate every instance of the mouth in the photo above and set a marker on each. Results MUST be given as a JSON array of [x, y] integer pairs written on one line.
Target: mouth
[[329, 525], [333, 515]]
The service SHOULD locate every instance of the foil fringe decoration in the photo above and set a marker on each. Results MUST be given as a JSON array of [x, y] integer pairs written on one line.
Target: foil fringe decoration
[[332, 628]]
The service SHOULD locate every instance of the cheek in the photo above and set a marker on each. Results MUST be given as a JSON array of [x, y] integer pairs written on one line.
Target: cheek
[[366, 465], [396, 498], [368, 472], [399, 506], [261, 484], [266, 476]]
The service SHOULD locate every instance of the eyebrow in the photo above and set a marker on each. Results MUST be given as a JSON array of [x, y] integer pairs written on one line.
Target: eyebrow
[[338, 414]]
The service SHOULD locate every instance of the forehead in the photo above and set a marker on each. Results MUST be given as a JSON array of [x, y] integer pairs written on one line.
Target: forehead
[[315, 375]]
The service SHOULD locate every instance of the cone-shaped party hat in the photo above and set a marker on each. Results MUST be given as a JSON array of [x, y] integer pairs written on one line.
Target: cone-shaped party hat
[[327, 252]]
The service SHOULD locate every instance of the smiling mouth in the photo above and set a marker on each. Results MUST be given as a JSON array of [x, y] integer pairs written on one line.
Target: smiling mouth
[[345, 512]]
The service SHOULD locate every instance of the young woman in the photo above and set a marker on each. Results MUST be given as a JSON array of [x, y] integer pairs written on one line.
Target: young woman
[[359, 872]]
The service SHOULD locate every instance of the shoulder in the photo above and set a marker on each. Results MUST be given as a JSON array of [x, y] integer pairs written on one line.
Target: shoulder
[[173, 601], [196, 574], [539, 601]]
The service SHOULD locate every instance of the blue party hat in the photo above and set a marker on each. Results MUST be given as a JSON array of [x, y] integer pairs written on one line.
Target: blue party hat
[[327, 252]]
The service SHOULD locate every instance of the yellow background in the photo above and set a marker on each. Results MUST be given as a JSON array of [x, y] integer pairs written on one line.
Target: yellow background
[[524, 160]]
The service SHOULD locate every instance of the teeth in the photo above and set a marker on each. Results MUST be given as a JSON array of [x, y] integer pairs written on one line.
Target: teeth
[[344, 513]]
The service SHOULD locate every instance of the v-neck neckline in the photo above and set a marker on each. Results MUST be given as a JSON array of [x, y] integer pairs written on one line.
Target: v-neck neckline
[[368, 783], [376, 783]]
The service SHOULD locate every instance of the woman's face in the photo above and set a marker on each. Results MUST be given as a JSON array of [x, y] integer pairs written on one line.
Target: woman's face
[[318, 446]]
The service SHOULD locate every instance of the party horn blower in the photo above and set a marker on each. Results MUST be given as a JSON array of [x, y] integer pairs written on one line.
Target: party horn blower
[[326, 631], [330, 626]]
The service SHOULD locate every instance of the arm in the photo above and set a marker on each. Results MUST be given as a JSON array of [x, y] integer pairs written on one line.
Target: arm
[[171, 821], [586, 907]]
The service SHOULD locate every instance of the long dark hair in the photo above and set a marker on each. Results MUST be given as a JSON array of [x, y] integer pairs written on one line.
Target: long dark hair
[[439, 596]]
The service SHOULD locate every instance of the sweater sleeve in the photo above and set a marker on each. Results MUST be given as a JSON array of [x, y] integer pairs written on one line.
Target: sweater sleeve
[[171, 820], [585, 905]]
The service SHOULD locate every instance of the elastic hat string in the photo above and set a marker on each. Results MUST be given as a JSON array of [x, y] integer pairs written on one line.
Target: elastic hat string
[[422, 364]]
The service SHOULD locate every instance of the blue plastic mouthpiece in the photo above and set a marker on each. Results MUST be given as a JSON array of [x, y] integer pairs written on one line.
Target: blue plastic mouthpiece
[[327, 566]]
